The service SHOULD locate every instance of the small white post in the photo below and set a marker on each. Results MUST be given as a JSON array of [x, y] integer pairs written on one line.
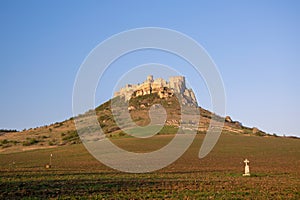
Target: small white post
[[50, 163], [247, 169], [48, 166]]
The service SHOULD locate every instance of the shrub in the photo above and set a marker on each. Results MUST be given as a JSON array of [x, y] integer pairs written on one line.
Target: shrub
[[72, 137], [52, 142], [5, 141], [14, 142], [8, 143], [275, 135], [121, 134], [260, 133], [30, 141]]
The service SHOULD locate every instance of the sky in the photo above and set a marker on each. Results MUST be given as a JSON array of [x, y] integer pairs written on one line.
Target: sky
[[254, 44]]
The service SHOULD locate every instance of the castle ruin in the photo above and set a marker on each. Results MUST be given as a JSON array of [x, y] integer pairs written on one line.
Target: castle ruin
[[164, 89]]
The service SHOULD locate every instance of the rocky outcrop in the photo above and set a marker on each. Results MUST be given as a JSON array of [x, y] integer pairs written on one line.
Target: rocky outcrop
[[228, 119]]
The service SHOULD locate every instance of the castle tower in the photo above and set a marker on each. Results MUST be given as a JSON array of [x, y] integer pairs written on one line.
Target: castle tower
[[150, 78], [177, 83]]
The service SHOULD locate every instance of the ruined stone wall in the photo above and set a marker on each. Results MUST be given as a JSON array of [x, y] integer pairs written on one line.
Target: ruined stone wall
[[160, 86]]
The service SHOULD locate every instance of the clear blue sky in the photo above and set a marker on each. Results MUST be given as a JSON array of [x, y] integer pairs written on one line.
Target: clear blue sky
[[255, 44]]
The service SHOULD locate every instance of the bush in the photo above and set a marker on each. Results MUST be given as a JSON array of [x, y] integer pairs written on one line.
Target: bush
[[8, 143], [30, 141], [71, 137], [5, 141], [260, 133], [58, 124], [52, 142], [121, 134], [14, 142]]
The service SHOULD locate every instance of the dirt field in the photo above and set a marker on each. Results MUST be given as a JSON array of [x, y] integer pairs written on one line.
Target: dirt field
[[75, 174]]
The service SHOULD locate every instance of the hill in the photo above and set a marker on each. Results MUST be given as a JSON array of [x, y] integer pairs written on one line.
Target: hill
[[76, 174], [64, 133]]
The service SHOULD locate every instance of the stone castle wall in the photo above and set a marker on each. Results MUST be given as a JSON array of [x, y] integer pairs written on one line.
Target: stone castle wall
[[160, 86]]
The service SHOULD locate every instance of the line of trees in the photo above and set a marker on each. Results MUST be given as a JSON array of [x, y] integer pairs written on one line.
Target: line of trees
[[8, 130]]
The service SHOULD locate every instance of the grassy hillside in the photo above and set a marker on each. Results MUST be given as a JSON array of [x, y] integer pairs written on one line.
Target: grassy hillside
[[64, 133]]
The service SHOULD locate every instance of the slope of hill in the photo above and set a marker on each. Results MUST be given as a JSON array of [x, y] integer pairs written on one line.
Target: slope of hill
[[64, 133]]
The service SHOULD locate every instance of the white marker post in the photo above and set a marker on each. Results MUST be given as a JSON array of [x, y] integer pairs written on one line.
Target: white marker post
[[247, 169], [48, 166], [50, 163]]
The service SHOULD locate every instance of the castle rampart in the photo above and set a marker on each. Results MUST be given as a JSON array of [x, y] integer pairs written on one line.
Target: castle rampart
[[160, 86]]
